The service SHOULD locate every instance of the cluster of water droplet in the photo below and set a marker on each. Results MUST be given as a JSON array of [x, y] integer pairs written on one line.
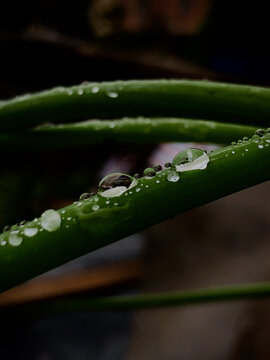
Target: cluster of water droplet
[[261, 138], [110, 187], [50, 221]]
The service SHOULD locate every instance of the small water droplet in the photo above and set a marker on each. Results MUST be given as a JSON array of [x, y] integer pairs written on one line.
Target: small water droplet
[[69, 218], [149, 172], [245, 139], [233, 152], [107, 202], [95, 89], [29, 232], [80, 91], [158, 181], [260, 146], [138, 189], [50, 220], [246, 149], [260, 132], [172, 176], [256, 138], [70, 92], [112, 94], [85, 196], [14, 239], [3, 242], [63, 211], [79, 204], [95, 207], [116, 203], [233, 143]]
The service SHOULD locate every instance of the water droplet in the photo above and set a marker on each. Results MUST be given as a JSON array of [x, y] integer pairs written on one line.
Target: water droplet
[[70, 92], [158, 181], [256, 138], [69, 218], [246, 149], [233, 143], [3, 242], [85, 196], [63, 211], [95, 89], [240, 141], [107, 202], [245, 139], [190, 159], [233, 152], [50, 220], [14, 239], [260, 132], [80, 91], [95, 207], [116, 203], [138, 189], [168, 164], [29, 232], [172, 176], [260, 146], [79, 204], [157, 168], [149, 172], [116, 184], [112, 94]]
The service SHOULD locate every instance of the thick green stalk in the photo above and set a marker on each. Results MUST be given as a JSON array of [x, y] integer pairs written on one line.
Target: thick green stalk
[[126, 130], [165, 98], [98, 221], [258, 290]]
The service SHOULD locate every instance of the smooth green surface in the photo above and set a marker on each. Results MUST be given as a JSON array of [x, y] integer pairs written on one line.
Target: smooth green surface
[[95, 223], [260, 290], [127, 130], [173, 98]]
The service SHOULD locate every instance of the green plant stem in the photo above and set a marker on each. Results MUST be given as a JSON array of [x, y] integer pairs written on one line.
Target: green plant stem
[[96, 223], [127, 130], [165, 98], [258, 290]]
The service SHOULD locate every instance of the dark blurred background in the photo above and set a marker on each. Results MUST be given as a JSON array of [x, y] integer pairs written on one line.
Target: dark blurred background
[[45, 43]]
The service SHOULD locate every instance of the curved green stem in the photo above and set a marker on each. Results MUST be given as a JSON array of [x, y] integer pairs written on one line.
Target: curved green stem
[[98, 221], [173, 98], [258, 290], [126, 130]]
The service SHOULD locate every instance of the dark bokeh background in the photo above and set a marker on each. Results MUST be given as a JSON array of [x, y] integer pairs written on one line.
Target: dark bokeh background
[[45, 43]]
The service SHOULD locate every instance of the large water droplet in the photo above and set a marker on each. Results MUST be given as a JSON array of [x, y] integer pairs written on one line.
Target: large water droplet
[[50, 220], [172, 176], [14, 239], [29, 232], [116, 184], [191, 159]]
